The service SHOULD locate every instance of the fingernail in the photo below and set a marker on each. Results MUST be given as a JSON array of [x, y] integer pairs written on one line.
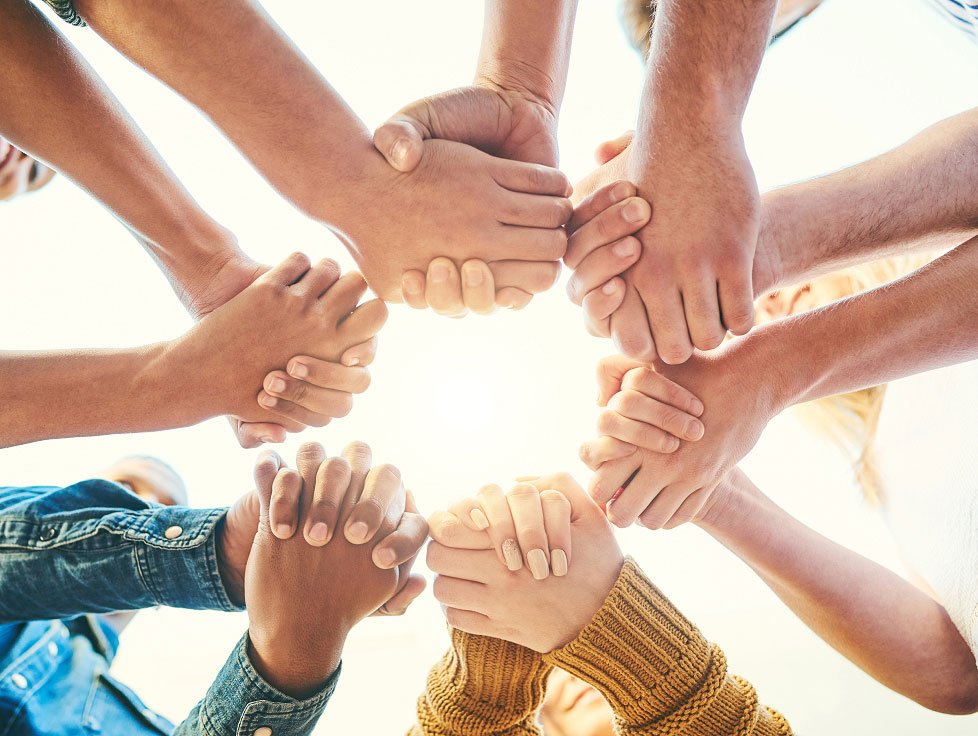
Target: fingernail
[[283, 531], [266, 400], [439, 273], [624, 249], [671, 444], [267, 439], [511, 553], [537, 561], [610, 288], [620, 192], [385, 558], [473, 275], [399, 150], [351, 361], [299, 370], [277, 385], [696, 406], [319, 532], [356, 533], [412, 285], [558, 562], [633, 212], [479, 519], [694, 429]]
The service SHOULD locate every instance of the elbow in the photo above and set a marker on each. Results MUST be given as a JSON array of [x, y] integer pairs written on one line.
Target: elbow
[[959, 698]]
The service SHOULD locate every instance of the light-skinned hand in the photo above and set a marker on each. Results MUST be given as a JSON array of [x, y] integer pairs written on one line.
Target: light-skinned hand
[[482, 597]]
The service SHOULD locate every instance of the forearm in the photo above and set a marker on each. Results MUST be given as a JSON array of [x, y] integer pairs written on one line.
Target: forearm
[[918, 323], [657, 670], [482, 687], [94, 548], [526, 46], [56, 108], [49, 395], [230, 60], [919, 196], [879, 621]]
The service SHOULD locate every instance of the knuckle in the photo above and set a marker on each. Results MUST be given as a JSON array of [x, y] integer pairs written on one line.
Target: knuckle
[[608, 422], [389, 472]]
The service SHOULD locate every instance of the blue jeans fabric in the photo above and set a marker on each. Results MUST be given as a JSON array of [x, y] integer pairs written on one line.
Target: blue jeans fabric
[[92, 548]]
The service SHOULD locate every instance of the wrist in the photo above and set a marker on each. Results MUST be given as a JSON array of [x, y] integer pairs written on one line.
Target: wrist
[[232, 576], [298, 673], [524, 81], [165, 383], [770, 366]]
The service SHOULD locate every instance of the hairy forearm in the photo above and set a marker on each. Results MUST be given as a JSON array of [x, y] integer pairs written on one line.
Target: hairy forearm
[[922, 195], [526, 46], [94, 392], [56, 108], [234, 63], [876, 619]]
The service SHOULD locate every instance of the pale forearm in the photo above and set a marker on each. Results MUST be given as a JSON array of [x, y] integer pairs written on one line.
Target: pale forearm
[[879, 621], [94, 392], [526, 46], [919, 196], [56, 108]]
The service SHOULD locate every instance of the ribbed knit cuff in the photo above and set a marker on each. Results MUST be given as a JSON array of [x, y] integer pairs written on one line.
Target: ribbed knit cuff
[[641, 653], [483, 686]]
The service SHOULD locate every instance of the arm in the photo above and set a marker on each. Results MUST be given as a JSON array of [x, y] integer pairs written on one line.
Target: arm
[[876, 619]]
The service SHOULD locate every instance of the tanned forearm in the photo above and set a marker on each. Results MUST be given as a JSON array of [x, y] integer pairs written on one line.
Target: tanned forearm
[[84, 393], [922, 195], [56, 108], [876, 619], [526, 46]]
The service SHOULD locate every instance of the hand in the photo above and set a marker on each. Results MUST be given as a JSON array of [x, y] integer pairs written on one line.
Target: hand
[[740, 394], [297, 647], [645, 410], [481, 597], [523, 524], [15, 171], [462, 204], [693, 280], [291, 309]]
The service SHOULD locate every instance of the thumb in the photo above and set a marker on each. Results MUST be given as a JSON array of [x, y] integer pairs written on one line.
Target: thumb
[[401, 141], [610, 149]]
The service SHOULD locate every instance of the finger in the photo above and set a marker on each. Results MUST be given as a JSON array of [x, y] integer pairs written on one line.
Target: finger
[[308, 458], [664, 305], [325, 401], [320, 277], [331, 483], [569, 488], [294, 414], [478, 287], [636, 405], [364, 324], [469, 512], [624, 510], [471, 622], [532, 243], [640, 434], [512, 298], [736, 294], [288, 271], [617, 222], [594, 453], [342, 297], [665, 505], [600, 304], [283, 512], [557, 522], [610, 373], [397, 606], [600, 200], [255, 434], [630, 328], [535, 211], [475, 565], [382, 499], [9, 166], [443, 291], [324, 374], [601, 266], [413, 289], [362, 354], [528, 276], [462, 594], [266, 468], [689, 510], [501, 530], [401, 143], [518, 176], [403, 544], [610, 478], [448, 529], [360, 458], [610, 149], [526, 510], [702, 309], [653, 384]]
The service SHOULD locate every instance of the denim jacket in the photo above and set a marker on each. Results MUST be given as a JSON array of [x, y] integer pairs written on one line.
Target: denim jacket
[[94, 548]]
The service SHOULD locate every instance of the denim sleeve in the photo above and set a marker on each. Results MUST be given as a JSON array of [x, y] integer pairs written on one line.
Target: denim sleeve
[[94, 547], [241, 702]]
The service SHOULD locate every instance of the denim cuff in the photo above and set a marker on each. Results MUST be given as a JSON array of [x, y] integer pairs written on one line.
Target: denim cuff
[[240, 702]]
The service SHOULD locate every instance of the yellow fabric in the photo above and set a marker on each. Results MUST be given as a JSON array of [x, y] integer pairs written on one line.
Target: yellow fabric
[[658, 672]]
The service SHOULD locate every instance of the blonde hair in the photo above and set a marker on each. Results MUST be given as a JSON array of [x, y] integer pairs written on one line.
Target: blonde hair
[[637, 17], [851, 420]]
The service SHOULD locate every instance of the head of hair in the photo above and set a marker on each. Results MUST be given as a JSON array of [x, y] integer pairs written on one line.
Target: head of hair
[[637, 17]]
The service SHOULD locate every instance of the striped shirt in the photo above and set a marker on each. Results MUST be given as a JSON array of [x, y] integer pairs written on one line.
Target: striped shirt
[[962, 14]]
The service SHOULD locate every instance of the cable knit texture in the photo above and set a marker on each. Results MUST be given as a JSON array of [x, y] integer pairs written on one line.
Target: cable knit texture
[[661, 677]]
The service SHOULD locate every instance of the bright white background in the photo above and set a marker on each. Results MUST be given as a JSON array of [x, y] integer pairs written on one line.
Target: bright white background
[[460, 403]]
